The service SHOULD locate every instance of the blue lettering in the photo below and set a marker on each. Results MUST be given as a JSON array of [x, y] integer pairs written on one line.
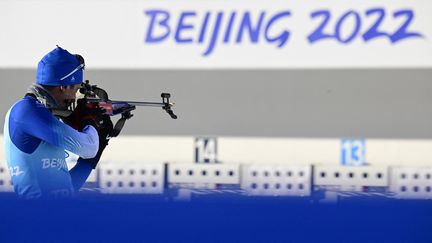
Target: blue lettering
[[228, 30], [283, 37], [215, 34], [213, 27], [402, 32], [373, 31], [247, 23], [163, 23], [182, 26], [354, 33], [203, 28]]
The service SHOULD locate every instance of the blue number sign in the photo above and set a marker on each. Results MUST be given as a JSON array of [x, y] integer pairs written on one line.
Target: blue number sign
[[353, 152]]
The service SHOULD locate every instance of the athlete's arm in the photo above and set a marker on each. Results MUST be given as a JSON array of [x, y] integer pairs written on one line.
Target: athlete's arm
[[36, 120]]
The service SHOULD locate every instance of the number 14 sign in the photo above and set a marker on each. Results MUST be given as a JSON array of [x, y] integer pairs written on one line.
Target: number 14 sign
[[205, 150]]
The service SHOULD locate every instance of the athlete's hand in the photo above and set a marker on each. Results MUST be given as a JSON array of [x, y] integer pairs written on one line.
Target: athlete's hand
[[83, 116], [104, 129]]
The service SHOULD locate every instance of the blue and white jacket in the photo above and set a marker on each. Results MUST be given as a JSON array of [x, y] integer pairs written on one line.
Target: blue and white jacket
[[36, 145]]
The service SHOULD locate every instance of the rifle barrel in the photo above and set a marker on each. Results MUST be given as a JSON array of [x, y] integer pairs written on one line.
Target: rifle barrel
[[143, 103]]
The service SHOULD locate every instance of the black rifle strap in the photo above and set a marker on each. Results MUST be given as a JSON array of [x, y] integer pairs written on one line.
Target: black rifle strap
[[120, 123]]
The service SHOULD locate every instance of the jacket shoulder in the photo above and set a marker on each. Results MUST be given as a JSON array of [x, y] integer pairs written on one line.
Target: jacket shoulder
[[26, 106]]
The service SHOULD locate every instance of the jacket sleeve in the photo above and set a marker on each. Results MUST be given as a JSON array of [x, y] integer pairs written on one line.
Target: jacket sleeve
[[36, 120], [79, 174]]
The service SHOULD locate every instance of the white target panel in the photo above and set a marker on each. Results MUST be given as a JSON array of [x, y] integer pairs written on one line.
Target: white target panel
[[276, 180], [5, 179], [376, 176], [131, 178], [203, 173], [411, 182]]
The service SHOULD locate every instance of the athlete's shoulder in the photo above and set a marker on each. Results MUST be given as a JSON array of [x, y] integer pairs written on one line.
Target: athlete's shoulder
[[28, 106], [29, 102]]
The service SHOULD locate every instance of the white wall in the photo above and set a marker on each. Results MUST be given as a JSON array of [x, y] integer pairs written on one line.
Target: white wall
[[292, 151], [112, 34]]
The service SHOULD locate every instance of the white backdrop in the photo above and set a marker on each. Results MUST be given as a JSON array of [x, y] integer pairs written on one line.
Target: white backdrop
[[175, 33]]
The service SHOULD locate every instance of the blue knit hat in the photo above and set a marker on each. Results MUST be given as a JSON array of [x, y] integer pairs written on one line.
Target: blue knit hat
[[59, 68]]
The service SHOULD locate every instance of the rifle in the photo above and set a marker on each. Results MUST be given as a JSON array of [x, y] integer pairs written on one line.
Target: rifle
[[96, 97]]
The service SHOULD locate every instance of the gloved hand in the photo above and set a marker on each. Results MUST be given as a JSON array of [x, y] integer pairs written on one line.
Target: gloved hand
[[83, 116], [104, 129]]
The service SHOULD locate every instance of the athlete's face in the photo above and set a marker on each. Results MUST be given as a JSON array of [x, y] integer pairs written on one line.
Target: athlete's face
[[66, 95]]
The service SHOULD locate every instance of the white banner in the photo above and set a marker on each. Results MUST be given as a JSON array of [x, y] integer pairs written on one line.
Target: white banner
[[220, 34]]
